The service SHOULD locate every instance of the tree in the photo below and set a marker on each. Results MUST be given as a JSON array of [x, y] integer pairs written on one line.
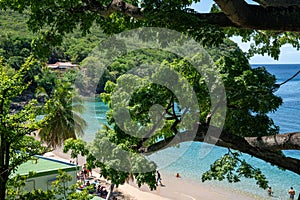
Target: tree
[[17, 142], [16, 127], [116, 165], [230, 18], [249, 98], [63, 113], [60, 189], [270, 24]]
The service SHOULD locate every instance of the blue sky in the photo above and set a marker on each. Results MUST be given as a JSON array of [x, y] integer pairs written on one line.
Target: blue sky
[[288, 55]]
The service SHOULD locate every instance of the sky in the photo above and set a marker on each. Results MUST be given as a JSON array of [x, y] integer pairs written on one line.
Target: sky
[[288, 55]]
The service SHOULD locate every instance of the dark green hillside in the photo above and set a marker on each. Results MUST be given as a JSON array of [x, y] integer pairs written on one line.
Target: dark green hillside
[[16, 40], [16, 46], [14, 23]]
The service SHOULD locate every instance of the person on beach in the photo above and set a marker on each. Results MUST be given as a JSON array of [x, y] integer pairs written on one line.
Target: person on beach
[[88, 183], [292, 193], [158, 180], [89, 170], [82, 176], [270, 191], [85, 171], [178, 175], [99, 190]]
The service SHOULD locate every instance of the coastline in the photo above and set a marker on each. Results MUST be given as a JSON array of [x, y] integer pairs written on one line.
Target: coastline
[[184, 189], [173, 188]]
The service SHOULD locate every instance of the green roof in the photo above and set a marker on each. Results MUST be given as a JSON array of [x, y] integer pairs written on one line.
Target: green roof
[[45, 166]]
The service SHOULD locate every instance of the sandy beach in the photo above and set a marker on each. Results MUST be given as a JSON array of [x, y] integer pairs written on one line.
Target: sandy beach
[[173, 188], [183, 189]]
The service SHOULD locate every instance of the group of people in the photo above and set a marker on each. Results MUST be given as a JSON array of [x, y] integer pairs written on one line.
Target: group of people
[[85, 177], [101, 191], [95, 188], [291, 193]]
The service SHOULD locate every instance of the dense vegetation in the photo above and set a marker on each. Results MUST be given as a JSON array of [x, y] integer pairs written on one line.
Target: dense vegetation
[[147, 111], [16, 45], [29, 89]]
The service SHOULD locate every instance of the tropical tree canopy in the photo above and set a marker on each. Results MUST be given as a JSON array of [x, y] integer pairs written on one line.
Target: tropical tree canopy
[[16, 126], [183, 116], [64, 120], [267, 24]]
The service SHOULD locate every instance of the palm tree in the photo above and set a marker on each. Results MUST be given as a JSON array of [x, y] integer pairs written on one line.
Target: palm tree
[[63, 118]]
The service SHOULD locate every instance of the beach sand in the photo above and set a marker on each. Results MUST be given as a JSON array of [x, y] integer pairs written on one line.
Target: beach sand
[[173, 188], [183, 189]]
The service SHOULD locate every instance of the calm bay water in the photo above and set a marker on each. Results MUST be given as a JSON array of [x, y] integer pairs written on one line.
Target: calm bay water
[[188, 161]]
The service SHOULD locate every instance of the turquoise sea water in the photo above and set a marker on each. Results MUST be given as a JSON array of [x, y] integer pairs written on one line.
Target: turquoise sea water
[[188, 160]]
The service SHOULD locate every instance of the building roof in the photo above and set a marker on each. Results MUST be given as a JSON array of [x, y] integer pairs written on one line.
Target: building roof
[[45, 166], [62, 65]]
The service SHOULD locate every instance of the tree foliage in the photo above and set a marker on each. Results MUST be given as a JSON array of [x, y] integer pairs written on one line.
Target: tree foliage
[[230, 167], [16, 127], [19, 122], [16, 41], [60, 189], [116, 164], [273, 25], [249, 92], [63, 114], [249, 97]]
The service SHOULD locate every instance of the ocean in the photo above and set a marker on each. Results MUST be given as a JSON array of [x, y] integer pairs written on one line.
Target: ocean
[[187, 160]]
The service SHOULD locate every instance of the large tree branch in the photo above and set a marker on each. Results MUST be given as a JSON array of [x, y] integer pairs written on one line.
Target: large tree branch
[[288, 141], [266, 148], [128, 9], [278, 3], [236, 13], [114, 6], [259, 17], [275, 143], [273, 157]]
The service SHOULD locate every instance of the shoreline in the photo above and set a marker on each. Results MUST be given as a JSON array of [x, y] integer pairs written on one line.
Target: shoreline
[[173, 188], [185, 189]]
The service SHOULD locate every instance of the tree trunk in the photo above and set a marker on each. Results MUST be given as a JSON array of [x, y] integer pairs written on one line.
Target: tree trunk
[[3, 181], [109, 195], [4, 164]]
